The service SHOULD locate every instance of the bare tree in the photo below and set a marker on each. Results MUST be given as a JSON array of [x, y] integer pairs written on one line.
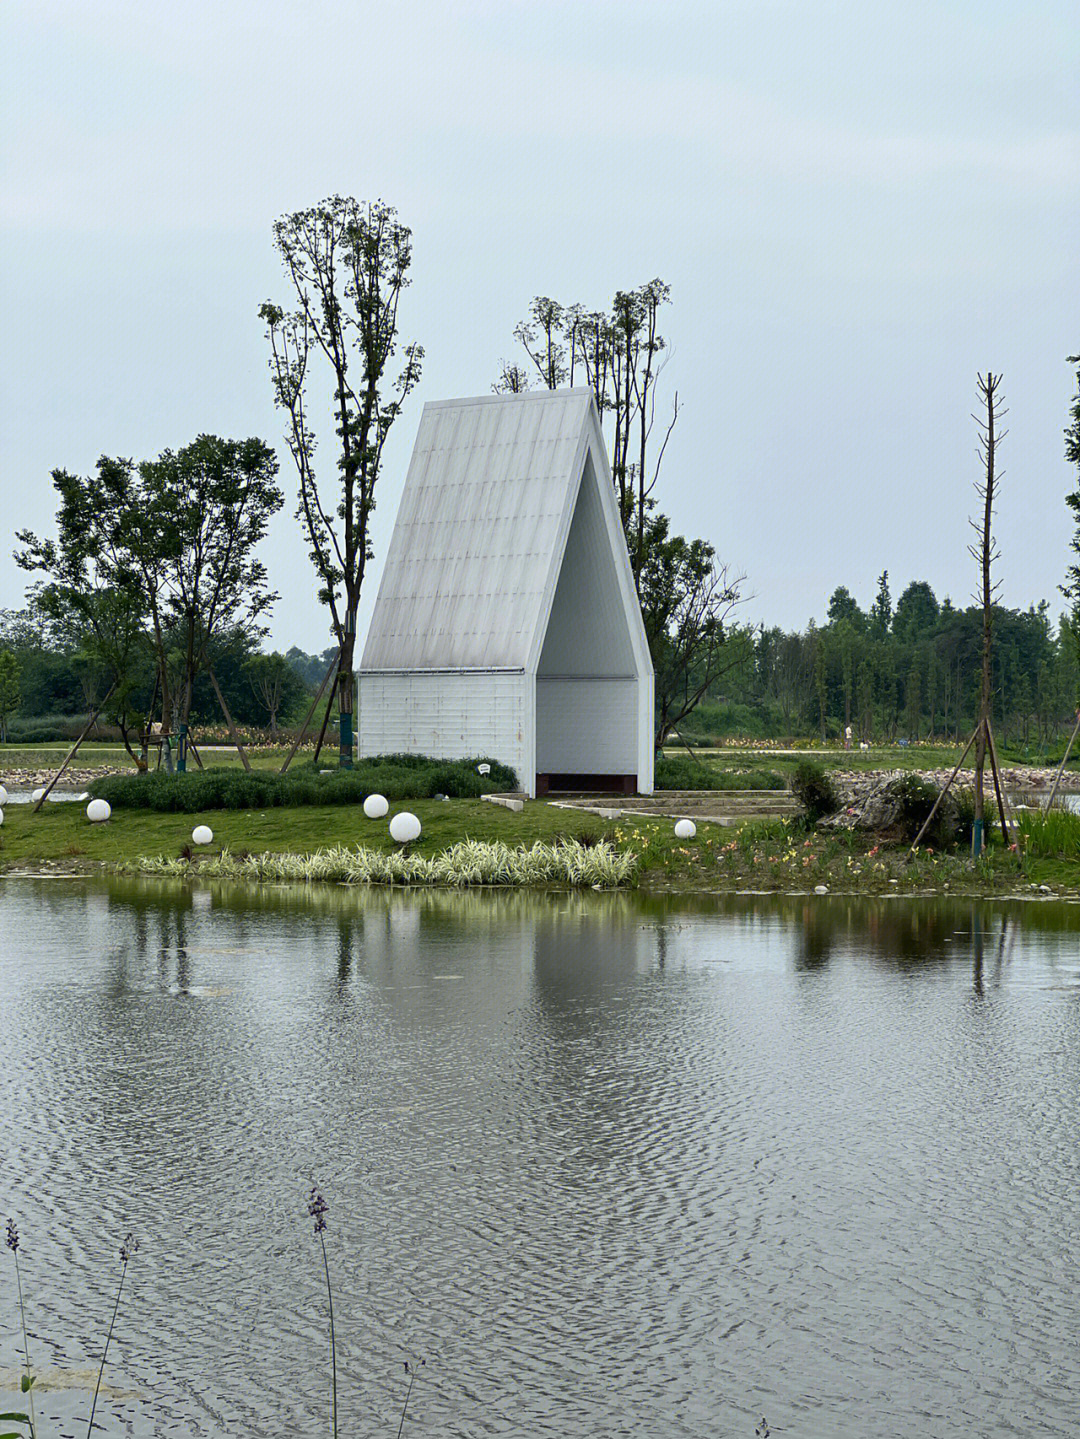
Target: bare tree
[[985, 551]]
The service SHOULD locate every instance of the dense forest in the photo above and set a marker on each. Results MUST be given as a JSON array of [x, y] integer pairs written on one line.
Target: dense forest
[[906, 671]]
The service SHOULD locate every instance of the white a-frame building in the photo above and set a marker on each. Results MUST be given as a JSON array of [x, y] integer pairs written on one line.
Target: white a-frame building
[[507, 623]]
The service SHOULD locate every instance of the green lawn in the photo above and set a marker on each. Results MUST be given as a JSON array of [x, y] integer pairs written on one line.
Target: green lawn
[[62, 831]]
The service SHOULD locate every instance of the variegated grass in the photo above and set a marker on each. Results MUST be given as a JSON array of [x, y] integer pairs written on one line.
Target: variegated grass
[[467, 863]]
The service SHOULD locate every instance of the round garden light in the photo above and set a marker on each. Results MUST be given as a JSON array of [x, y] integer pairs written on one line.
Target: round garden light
[[375, 806], [37, 794], [1, 816], [685, 829], [202, 834], [98, 811], [3, 796], [404, 827]]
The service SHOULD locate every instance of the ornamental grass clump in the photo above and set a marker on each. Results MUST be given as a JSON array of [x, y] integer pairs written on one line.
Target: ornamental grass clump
[[468, 863]]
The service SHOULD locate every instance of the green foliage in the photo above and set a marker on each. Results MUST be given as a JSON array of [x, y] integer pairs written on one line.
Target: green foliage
[[814, 790], [396, 776], [10, 688], [346, 264], [685, 773], [917, 797], [1054, 835], [469, 862]]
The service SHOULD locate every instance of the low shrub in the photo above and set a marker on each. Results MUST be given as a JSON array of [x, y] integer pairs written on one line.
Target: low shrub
[[917, 797], [396, 776], [55, 729], [682, 772], [814, 790]]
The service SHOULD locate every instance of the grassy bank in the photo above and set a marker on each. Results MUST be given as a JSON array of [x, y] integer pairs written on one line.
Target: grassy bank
[[773, 856]]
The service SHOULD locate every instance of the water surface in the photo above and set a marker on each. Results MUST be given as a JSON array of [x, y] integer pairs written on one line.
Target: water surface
[[613, 1166]]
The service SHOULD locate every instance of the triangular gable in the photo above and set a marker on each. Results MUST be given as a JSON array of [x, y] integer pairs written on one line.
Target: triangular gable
[[469, 573], [593, 626]]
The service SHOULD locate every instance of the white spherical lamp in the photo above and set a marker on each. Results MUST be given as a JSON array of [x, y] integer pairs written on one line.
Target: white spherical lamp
[[202, 834], [98, 811], [376, 806], [404, 828], [685, 829], [3, 796], [37, 794], [1, 816]]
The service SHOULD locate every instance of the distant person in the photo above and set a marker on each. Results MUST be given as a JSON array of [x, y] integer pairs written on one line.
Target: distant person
[[847, 736]]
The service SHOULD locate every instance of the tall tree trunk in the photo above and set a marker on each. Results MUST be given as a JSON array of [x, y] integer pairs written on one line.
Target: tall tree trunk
[[988, 390]]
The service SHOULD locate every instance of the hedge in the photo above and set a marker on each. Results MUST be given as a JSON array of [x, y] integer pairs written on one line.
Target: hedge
[[396, 776]]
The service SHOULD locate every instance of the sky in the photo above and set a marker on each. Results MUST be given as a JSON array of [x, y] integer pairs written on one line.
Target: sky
[[857, 208]]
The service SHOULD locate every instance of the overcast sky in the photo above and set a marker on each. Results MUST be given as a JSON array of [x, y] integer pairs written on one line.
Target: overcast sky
[[856, 207]]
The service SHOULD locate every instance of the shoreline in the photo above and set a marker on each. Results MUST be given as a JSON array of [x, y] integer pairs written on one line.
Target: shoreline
[[78, 868]]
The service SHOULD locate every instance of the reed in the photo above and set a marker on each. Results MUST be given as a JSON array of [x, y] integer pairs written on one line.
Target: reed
[[1053, 835]]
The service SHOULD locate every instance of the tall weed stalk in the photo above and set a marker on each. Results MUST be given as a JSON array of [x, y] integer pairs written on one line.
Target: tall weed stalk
[[27, 1384], [127, 1249]]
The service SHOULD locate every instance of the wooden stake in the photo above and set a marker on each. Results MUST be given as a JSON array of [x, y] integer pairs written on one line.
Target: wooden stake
[[1061, 766], [996, 772], [325, 721], [307, 719], [945, 790], [71, 752], [229, 721]]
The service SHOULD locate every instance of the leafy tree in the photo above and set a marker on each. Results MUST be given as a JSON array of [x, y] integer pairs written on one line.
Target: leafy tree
[[619, 355], [844, 607], [159, 554], [916, 612], [881, 609], [347, 263], [89, 600], [310, 668], [274, 683], [211, 502], [10, 692], [687, 603]]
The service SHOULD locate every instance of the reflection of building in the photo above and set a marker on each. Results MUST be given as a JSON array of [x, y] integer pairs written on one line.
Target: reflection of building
[[507, 623]]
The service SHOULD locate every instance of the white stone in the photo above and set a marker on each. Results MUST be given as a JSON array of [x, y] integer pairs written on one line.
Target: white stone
[[1, 816], [202, 834], [685, 829], [3, 796], [376, 806], [821, 889], [37, 794], [404, 827], [98, 811]]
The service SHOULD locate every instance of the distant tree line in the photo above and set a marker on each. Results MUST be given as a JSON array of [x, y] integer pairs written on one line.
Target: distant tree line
[[906, 672]]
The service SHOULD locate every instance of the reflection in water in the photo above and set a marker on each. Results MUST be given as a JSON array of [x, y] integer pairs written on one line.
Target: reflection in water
[[613, 1164]]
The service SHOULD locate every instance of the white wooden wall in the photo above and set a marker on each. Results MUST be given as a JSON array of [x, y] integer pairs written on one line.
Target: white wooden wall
[[586, 726], [450, 715]]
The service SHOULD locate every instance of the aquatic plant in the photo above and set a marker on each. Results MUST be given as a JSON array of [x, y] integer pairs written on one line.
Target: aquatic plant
[[1053, 835], [318, 1209], [127, 1249], [27, 1384], [410, 1370], [469, 862]]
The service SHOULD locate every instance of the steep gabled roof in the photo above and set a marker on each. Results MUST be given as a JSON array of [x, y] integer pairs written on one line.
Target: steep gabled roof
[[472, 566]]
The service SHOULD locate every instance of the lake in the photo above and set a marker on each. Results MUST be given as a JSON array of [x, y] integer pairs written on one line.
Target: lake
[[612, 1165]]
